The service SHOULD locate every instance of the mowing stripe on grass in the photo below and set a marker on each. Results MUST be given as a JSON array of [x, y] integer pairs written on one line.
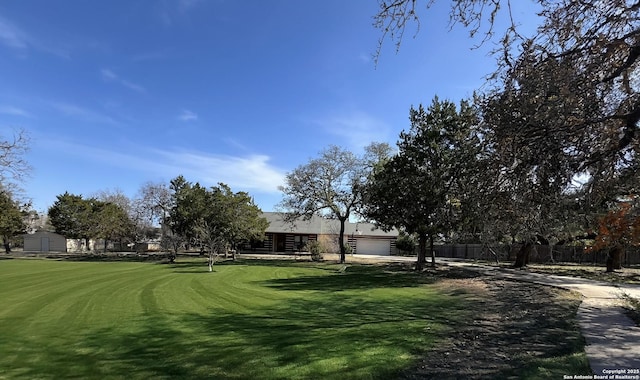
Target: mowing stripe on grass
[[260, 320]]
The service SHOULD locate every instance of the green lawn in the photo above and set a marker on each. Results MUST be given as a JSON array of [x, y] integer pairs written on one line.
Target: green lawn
[[261, 320]]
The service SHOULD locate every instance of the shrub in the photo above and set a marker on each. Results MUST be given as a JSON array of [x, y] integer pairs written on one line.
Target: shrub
[[406, 243], [316, 249]]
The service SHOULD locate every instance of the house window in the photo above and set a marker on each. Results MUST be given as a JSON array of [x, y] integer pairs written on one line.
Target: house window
[[300, 241]]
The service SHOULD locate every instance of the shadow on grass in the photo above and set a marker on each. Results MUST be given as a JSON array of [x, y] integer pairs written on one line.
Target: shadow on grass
[[354, 277], [631, 276], [329, 336], [198, 265], [336, 277], [520, 331], [110, 257]]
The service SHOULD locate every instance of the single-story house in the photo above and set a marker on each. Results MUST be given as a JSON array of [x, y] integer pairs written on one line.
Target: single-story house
[[364, 238], [44, 241]]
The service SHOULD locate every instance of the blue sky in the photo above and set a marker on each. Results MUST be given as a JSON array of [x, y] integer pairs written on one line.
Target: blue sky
[[121, 92]]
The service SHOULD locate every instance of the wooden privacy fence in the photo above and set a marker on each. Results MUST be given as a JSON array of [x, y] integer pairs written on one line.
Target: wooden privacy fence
[[540, 254]]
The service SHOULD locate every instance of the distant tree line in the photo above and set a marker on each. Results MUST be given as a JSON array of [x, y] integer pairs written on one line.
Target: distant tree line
[[214, 219]]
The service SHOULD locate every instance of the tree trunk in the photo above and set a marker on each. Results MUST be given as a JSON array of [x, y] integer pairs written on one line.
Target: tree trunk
[[433, 252], [513, 242], [486, 247], [422, 251], [343, 257], [522, 258], [7, 246], [614, 260]]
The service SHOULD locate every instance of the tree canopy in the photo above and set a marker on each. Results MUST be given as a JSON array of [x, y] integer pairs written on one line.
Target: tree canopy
[[215, 219], [78, 218], [69, 215], [11, 218], [584, 58], [419, 189]]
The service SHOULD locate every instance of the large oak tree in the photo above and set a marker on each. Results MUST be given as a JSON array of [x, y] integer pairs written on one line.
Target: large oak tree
[[330, 185]]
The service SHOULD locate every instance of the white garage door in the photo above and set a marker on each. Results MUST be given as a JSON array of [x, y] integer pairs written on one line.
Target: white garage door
[[372, 247]]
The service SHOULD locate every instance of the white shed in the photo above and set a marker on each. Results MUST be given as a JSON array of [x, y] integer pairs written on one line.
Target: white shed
[[43, 241]]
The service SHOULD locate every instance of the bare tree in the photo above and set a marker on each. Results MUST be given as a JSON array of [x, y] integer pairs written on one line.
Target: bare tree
[[152, 205], [13, 166], [115, 196], [155, 198], [601, 40], [330, 185]]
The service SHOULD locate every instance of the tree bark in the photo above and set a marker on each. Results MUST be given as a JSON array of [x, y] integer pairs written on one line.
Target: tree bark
[[522, 258], [422, 251], [433, 252], [343, 257], [210, 261], [7, 246], [614, 260]]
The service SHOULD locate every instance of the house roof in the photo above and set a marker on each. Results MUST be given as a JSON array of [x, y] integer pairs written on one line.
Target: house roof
[[319, 225]]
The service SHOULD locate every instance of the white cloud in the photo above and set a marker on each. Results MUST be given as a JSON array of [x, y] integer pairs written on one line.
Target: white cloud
[[235, 144], [187, 115], [364, 58], [83, 113], [358, 129], [251, 172], [187, 5], [13, 111], [12, 36], [110, 76], [133, 86], [170, 11], [15, 38]]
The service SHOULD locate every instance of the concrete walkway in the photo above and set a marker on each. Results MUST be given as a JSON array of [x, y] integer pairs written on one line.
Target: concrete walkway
[[613, 340]]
